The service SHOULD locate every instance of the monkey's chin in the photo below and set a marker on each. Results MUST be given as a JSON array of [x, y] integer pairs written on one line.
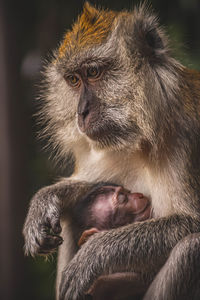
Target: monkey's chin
[[99, 136], [110, 135], [102, 138]]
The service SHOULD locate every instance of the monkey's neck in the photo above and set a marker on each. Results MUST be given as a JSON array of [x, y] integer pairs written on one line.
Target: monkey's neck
[[120, 167], [113, 165]]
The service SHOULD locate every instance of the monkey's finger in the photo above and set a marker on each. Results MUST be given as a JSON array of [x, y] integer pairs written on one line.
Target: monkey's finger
[[50, 242], [85, 235], [46, 252], [54, 224]]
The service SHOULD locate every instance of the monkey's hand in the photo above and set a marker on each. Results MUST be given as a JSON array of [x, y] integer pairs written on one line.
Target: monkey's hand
[[91, 261], [42, 226]]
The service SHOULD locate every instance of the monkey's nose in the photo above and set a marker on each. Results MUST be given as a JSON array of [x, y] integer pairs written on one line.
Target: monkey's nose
[[83, 114], [138, 202], [83, 120], [83, 108]]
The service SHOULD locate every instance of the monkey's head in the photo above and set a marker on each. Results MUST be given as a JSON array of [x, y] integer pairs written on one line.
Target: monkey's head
[[107, 82]]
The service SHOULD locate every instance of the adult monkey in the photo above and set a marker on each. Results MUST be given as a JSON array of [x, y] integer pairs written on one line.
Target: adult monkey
[[129, 113]]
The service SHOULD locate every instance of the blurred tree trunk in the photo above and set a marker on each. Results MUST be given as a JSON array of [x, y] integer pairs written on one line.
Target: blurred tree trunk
[[5, 170], [12, 161]]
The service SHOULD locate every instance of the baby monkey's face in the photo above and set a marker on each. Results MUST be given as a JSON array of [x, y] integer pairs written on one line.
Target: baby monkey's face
[[115, 206], [112, 207]]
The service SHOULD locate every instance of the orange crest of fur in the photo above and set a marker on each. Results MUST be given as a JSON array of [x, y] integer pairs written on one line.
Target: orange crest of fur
[[92, 27]]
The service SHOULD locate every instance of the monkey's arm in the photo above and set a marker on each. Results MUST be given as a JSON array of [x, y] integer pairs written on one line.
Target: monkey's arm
[[139, 247], [42, 225]]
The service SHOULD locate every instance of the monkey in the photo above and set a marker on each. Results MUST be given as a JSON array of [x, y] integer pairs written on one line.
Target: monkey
[[102, 209], [127, 112], [109, 207]]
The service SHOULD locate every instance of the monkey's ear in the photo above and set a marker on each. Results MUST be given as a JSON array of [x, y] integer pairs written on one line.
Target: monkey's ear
[[148, 37]]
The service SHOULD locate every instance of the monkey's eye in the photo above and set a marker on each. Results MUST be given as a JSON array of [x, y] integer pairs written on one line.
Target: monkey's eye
[[93, 72], [73, 80]]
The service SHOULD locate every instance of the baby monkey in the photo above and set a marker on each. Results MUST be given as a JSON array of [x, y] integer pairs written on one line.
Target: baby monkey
[[109, 207], [105, 208]]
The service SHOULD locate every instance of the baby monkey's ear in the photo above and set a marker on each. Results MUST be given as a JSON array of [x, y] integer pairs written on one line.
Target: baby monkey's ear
[[147, 37]]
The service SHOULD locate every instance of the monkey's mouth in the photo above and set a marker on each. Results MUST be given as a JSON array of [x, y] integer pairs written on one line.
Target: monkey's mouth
[[84, 123], [97, 133], [105, 131], [97, 128], [93, 128]]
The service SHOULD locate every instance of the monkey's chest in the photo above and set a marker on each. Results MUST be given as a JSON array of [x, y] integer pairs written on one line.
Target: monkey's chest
[[132, 173]]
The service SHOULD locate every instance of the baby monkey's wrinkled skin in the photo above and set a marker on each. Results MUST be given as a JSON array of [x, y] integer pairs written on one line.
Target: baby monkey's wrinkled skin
[[110, 207]]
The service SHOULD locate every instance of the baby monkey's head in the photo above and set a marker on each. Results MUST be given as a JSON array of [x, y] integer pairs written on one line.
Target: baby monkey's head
[[115, 206], [111, 206]]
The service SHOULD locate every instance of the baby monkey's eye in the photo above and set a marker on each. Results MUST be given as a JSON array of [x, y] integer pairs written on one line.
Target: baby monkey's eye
[[122, 198], [93, 72], [73, 80]]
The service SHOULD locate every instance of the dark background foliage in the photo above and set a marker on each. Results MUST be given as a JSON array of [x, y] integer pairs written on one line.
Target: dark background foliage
[[28, 30]]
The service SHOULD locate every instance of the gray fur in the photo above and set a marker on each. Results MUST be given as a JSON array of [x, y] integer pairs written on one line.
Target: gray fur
[[46, 209], [149, 106], [180, 276], [147, 250]]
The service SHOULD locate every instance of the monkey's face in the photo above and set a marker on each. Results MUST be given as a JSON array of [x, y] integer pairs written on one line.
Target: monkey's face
[[104, 85], [102, 93]]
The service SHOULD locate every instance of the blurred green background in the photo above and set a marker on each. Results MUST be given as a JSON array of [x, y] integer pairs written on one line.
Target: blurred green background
[[28, 31]]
